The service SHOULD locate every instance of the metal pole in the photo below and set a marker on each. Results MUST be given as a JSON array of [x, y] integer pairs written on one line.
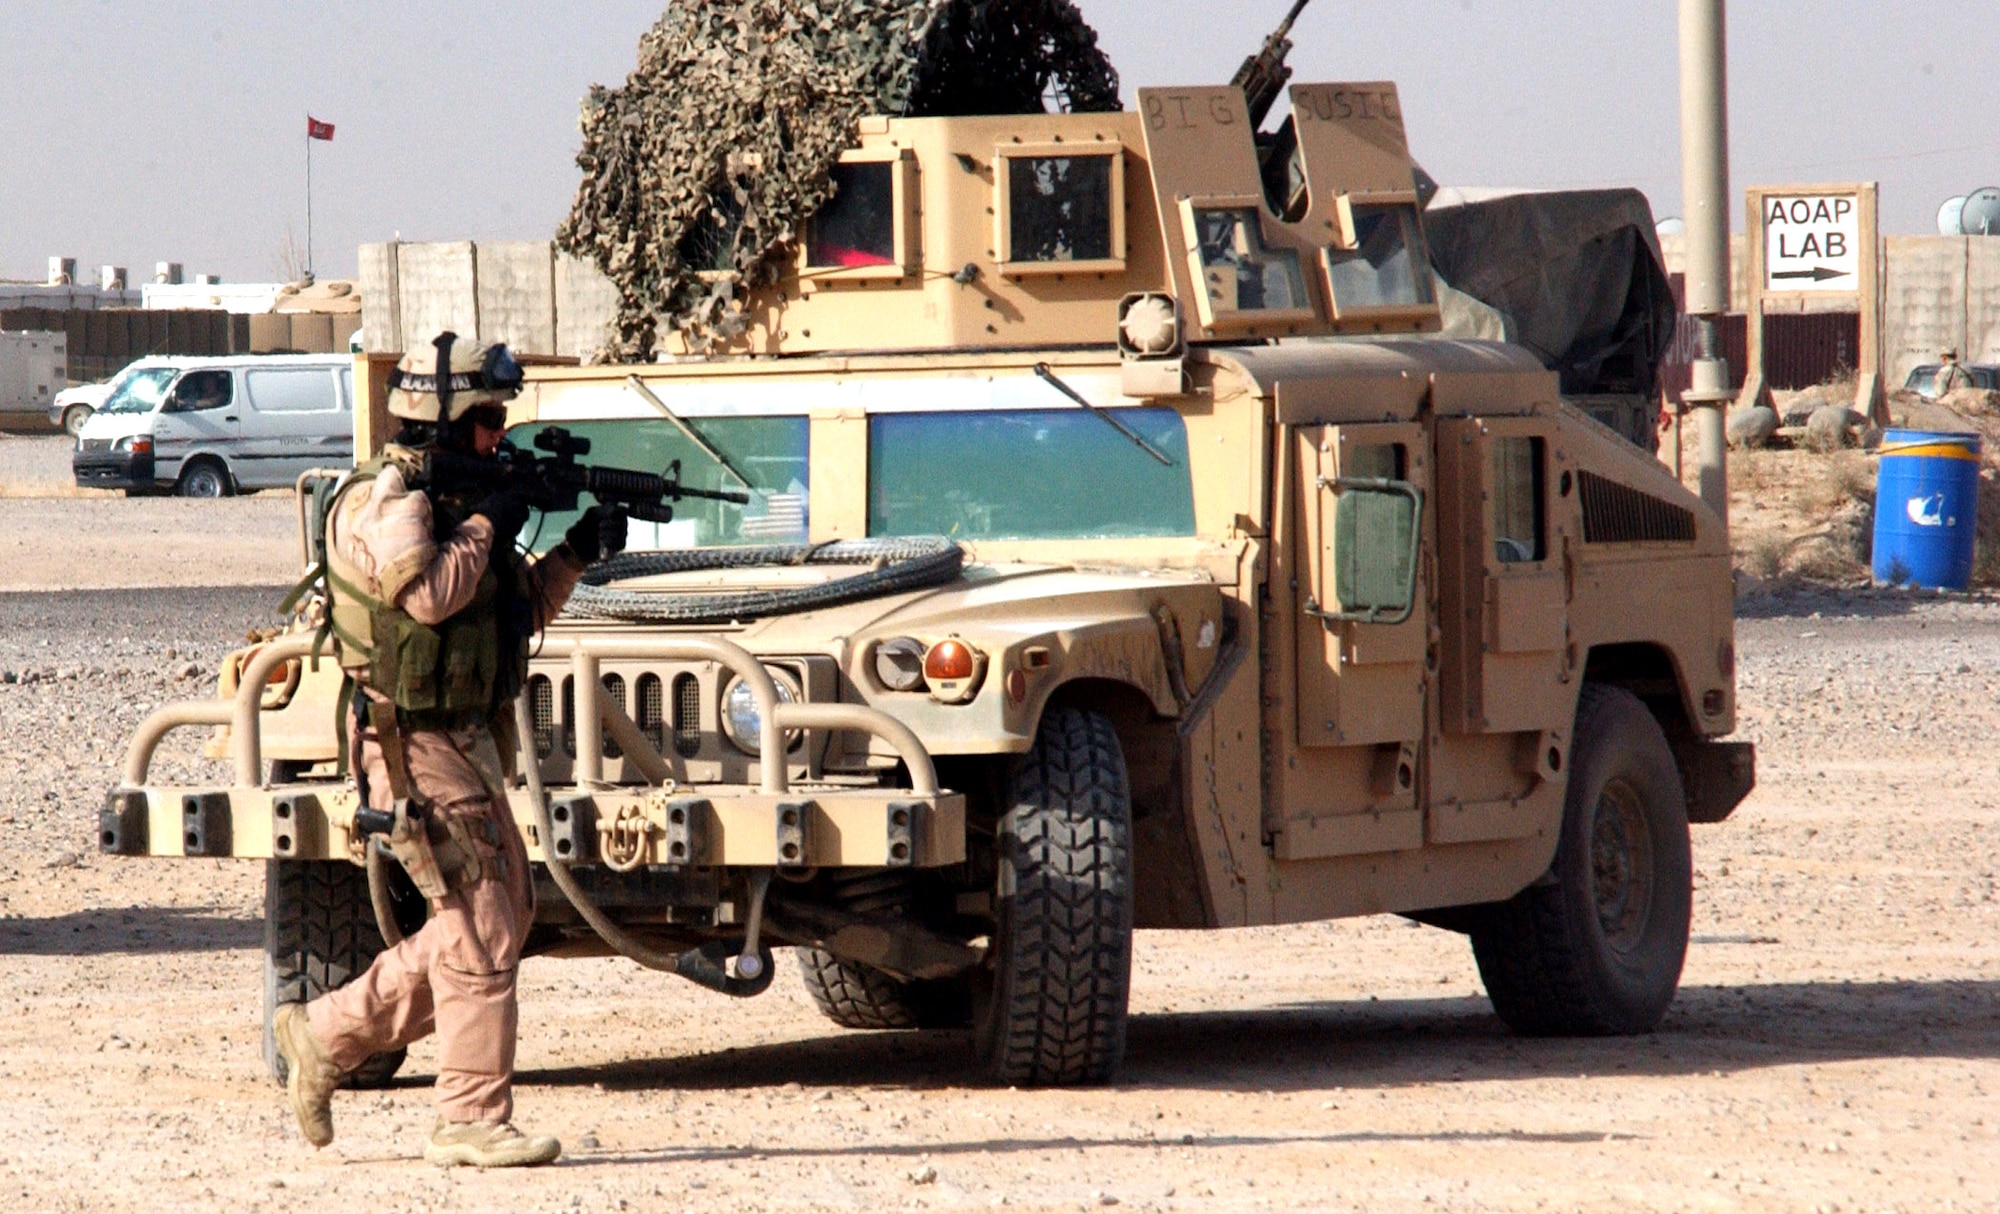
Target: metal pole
[[1705, 202], [309, 196]]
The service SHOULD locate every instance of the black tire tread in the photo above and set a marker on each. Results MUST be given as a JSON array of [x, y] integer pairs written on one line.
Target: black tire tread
[[1535, 957], [1058, 1013], [856, 996], [319, 933]]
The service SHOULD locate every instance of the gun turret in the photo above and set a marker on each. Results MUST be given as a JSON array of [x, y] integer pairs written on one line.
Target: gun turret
[[1263, 75]]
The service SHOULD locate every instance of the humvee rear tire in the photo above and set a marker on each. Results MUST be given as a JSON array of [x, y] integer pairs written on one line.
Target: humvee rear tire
[[856, 996], [319, 932], [1050, 1006], [1597, 949]]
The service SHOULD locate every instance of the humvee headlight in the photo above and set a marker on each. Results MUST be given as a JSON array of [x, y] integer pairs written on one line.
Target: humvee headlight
[[953, 669], [899, 664], [740, 718]]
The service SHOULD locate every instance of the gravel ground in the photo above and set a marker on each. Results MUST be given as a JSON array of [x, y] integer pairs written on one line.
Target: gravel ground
[[54, 536], [35, 463], [1834, 1046]]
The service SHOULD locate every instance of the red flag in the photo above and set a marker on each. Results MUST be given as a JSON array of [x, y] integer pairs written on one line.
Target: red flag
[[315, 129]]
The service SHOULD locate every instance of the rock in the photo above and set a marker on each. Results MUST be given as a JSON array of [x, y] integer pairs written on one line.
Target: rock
[[1799, 408], [1832, 427], [924, 1175], [63, 859], [1971, 402], [588, 1142], [1752, 427], [191, 671]]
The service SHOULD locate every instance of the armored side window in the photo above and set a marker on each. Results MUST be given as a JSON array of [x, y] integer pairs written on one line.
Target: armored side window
[[869, 229], [1242, 278], [1061, 209], [1519, 527], [858, 227], [1384, 264]]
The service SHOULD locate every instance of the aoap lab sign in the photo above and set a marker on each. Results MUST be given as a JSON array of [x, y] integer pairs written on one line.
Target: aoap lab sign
[[1812, 242]]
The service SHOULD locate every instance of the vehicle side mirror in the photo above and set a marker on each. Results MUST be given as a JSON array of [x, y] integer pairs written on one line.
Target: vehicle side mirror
[[1376, 533]]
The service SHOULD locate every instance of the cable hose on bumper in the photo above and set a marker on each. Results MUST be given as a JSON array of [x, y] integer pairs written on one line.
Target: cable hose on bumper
[[703, 965], [898, 563]]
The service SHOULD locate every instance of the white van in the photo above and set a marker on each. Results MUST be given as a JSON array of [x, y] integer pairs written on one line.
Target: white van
[[208, 427]]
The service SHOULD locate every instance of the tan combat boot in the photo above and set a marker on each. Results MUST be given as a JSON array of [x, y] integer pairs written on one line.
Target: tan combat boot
[[487, 1144], [309, 1076]]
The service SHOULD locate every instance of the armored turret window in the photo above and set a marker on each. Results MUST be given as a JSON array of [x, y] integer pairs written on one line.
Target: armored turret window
[[1242, 279], [1519, 528], [1061, 209], [868, 229], [1384, 264], [858, 227], [709, 244]]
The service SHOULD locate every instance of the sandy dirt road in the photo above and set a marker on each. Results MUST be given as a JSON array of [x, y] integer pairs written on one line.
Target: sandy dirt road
[[1836, 1044]]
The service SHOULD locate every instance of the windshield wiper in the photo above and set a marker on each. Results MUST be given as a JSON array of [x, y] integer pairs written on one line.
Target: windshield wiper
[[639, 385], [1104, 415]]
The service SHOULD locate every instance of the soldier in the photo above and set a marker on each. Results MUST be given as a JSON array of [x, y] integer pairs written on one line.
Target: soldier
[[431, 612], [1949, 374]]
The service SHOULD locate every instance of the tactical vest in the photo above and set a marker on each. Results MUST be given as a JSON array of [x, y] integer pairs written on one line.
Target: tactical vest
[[464, 669]]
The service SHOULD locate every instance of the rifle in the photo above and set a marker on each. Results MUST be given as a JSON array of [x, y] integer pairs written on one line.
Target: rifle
[[1262, 76], [555, 481]]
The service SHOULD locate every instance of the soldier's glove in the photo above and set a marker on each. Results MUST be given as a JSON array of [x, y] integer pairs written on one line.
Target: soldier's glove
[[599, 533], [508, 514]]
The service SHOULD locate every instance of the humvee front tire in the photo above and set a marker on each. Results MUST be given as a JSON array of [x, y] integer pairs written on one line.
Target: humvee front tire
[[1050, 1005], [319, 932], [1597, 949]]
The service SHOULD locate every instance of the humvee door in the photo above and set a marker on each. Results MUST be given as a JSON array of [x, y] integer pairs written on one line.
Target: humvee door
[[1505, 692]]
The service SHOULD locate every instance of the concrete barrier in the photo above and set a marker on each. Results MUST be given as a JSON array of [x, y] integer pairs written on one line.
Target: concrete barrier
[[517, 295], [437, 289], [586, 308]]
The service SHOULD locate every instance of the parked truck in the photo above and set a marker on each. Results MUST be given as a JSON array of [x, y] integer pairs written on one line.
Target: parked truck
[[33, 368], [1120, 551]]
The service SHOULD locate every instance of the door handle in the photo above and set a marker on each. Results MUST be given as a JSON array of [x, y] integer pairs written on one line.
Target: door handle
[[230, 417]]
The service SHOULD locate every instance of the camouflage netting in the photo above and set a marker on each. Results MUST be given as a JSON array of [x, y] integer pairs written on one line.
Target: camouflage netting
[[700, 170]]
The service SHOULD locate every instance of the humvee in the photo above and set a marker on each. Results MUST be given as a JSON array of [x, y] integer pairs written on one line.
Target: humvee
[[1256, 601]]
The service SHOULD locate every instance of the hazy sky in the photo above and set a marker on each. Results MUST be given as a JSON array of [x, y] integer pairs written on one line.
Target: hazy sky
[[133, 133]]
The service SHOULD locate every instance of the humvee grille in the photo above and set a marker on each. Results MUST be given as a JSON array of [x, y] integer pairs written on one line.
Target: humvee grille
[[542, 710], [652, 711], [569, 716], [1619, 514], [615, 685], [687, 715]]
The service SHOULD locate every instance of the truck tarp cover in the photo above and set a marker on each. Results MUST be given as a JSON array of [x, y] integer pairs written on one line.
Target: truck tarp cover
[[1575, 275]]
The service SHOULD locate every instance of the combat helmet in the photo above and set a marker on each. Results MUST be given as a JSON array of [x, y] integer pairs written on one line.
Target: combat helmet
[[474, 375]]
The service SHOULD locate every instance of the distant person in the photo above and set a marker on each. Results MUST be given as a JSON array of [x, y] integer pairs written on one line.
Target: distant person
[[1950, 375]]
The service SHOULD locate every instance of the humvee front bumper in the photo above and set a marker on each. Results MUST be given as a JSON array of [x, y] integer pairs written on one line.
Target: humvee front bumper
[[770, 825]]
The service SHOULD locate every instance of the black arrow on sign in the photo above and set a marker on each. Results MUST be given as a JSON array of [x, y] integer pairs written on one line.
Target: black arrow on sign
[[1817, 273]]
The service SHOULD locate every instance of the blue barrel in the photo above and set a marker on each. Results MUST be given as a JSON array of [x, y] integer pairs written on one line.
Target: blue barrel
[[1926, 508]]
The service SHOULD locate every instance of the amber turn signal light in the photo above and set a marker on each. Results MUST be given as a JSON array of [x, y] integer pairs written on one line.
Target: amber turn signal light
[[952, 669]]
